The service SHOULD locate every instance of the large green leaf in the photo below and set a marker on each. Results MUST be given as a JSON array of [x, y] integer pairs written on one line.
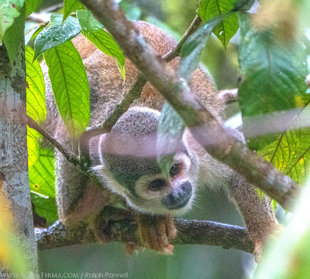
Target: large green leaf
[[14, 36], [32, 6], [71, 6], [192, 48], [41, 174], [9, 11], [33, 145], [56, 33], [273, 81], [227, 28], [45, 207], [35, 88], [290, 152], [92, 29], [70, 87]]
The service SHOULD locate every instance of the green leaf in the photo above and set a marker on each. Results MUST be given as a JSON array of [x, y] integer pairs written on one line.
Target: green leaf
[[45, 207], [193, 47], [70, 87], [92, 29], [169, 137], [35, 89], [273, 80], [226, 29], [71, 6], [41, 174], [290, 152], [56, 33], [33, 145], [32, 6], [14, 36], [9, 11], [88, 22]]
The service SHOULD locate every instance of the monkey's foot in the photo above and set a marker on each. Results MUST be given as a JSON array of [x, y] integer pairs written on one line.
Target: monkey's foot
[[156, 231]]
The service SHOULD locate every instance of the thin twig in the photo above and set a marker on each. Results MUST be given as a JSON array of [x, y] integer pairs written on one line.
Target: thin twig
[[71, 157], [190, 30]]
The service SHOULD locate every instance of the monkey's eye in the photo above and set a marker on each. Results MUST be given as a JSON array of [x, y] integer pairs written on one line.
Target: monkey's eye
[[175, 169], [157, 184]]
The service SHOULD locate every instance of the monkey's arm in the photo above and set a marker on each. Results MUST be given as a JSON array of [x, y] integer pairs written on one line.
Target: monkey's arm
[[256, 211]]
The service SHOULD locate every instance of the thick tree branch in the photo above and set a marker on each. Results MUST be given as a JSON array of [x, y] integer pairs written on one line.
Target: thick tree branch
[[189, 232], [217, 140]]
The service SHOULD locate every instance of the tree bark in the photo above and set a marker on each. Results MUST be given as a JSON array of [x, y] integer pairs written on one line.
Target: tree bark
[[14, 182]]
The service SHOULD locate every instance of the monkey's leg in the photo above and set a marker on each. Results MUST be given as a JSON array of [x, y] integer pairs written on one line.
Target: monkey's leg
[[156, 231], [257, 213]]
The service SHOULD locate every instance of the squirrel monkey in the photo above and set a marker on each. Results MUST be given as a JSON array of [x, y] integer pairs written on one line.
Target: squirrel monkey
[[126, 157]]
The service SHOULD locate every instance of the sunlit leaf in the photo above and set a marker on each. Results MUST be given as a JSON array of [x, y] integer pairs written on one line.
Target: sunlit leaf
[[56, 33], [70, 87], [290, 152], [227, 28], [33, 144], [41, 174], [35, 88], [92, 29]]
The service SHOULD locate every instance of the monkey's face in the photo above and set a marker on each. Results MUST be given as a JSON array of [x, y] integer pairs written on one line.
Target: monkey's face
[[128, 155], [140, 181]]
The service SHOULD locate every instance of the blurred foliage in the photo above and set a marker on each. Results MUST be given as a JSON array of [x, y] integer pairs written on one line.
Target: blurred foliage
[[12, 255], [290, 259]]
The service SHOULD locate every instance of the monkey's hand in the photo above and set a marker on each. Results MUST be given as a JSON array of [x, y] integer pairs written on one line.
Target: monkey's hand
[[156, 231]]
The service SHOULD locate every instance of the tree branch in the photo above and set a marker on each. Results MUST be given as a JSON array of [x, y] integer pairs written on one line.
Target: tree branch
[[189, 232], [190, 30], [217, 140], [71, 157]]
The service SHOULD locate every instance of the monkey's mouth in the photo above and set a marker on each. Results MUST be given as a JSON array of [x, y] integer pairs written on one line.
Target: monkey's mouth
[[179, 198]]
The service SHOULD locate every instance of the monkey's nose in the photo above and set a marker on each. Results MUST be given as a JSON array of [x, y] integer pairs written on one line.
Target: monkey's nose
[[179, 197]]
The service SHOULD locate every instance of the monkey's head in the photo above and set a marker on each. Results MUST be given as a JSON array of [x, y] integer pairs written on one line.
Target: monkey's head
[[128, 156]]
